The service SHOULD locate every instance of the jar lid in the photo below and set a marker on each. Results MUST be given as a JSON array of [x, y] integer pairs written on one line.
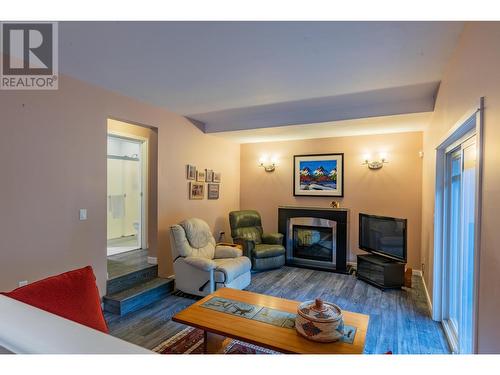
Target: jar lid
[[320, 311]]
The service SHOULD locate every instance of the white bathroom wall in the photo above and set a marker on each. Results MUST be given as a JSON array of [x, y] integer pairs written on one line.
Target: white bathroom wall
[[124, 178], [132, 190], [123, 147], [115, 187]]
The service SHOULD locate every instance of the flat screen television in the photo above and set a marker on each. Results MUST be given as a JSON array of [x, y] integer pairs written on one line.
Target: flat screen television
[[383, 236]]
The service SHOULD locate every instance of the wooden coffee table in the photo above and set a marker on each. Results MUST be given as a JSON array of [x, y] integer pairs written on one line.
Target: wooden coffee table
[[220, 327]]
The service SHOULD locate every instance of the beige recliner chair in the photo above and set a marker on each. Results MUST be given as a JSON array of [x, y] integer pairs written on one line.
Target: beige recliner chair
[[201, 266]]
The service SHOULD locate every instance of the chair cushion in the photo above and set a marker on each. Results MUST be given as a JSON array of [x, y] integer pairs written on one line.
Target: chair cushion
[[246, 224], [183, 238], [197, 232], [72, 295], [249, 233], [229, 269], [267, 251], [244, 218]]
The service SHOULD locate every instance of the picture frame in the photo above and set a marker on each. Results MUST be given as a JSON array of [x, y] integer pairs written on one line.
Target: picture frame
[[196, 190], [318, 175], [191, 172], [200, 176], [213, 191], [209, 175], [216, 177]]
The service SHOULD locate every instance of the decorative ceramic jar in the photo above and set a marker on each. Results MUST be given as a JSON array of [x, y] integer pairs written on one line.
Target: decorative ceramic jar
[[320, 321]]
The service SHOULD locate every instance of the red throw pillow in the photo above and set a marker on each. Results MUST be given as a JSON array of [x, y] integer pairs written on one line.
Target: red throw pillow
[[72, 295]]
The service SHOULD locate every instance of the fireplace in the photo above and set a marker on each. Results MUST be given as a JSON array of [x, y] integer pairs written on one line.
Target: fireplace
[[311, 241], [315, 237]]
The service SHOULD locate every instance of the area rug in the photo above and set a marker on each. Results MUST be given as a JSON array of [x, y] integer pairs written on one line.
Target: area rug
[[190, 341]]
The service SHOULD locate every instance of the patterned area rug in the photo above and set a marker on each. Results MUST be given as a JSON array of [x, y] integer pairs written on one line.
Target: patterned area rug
[[190, 341]]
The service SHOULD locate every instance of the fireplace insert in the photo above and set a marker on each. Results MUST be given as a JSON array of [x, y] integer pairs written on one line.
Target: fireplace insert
[[311, 242], [315, 237]]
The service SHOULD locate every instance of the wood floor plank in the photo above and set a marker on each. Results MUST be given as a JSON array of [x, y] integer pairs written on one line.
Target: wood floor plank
[[124, 263], [399, 319]]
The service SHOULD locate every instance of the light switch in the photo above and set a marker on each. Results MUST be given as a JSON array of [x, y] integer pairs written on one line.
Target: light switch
[[22, 283], [83, 214]]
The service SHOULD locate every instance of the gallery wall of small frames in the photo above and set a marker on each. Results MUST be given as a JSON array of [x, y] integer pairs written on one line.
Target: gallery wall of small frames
[[201, 180]]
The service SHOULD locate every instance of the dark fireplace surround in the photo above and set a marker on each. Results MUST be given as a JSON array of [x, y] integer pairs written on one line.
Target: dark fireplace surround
[[315, 237]]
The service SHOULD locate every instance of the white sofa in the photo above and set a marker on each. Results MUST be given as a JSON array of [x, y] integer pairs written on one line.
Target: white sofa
[[25, 329], [201, 266]]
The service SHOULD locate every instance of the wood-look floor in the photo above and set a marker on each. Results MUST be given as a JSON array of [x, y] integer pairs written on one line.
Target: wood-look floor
[[124, 263], [399, 319]]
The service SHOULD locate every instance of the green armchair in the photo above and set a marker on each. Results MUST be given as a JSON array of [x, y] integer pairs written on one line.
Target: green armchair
[[265, 250]]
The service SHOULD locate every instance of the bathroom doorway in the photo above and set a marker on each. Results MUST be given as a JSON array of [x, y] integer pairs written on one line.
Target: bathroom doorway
[[126, 166]]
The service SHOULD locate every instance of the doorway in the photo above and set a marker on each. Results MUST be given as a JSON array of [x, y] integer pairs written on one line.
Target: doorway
[[126, 161], [457, 232]]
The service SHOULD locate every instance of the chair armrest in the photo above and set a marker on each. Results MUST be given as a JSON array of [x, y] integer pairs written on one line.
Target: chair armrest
[[228, 244], [246, 244], [224, 251], [203, 264], [272, 238]]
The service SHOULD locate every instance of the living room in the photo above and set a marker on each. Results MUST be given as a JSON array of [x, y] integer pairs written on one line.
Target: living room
[[284, 137]]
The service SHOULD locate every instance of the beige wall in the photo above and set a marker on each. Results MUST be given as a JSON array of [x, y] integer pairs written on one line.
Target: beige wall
[[472, 72], [394, 190], [53, 162]]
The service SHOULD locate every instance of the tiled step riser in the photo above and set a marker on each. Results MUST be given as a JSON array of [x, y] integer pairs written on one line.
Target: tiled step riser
[[139, 301], [127, 281]]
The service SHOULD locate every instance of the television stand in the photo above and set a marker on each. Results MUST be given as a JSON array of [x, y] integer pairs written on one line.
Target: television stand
[[380, 271]]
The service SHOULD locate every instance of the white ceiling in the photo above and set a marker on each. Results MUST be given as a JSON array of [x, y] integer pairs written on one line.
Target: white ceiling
[[225, 73]]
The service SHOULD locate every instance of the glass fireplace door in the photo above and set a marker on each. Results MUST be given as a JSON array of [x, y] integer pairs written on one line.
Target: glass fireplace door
[[315, 243], [312, 242]]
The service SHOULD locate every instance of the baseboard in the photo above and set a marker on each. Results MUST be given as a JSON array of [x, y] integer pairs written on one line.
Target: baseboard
[[420, 274], [429, 302], [417, 273], [152, 260]]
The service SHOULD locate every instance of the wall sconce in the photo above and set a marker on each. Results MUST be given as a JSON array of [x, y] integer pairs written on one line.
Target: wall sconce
[[268, 165], [375, 164]]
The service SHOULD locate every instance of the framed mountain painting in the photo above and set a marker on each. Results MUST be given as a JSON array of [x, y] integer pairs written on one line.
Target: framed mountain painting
[[320, 175]]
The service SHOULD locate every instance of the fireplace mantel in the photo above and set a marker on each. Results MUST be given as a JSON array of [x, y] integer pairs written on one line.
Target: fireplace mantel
[[313, 208], [338, 215]]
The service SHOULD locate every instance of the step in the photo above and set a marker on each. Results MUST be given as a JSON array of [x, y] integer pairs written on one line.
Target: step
[[138, 296], [123, 282]]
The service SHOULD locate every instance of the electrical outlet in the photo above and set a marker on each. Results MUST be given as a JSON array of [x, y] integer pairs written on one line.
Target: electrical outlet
[[83, 214], [23, 283]]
